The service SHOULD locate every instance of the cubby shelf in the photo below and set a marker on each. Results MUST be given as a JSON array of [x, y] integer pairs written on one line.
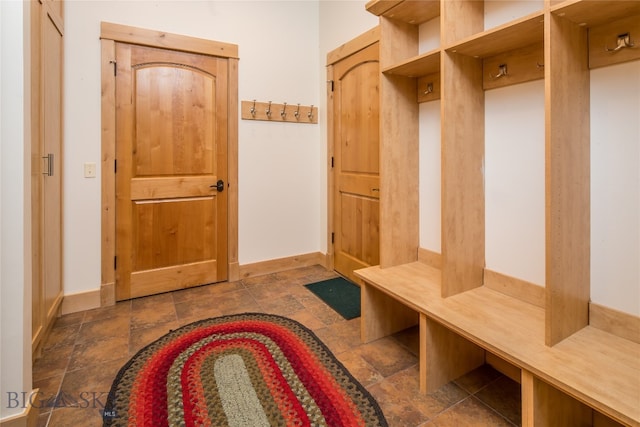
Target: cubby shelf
[[427, 63], [408, 11], [522, 32], [593, 13], [559, 44]]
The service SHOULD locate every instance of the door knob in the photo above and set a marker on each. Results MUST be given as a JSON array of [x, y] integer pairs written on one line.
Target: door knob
[[219, 186]]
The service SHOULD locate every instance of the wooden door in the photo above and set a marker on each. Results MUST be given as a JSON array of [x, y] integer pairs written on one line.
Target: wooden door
[[171, 157], [356, 203], [52, 45], [46, 182]]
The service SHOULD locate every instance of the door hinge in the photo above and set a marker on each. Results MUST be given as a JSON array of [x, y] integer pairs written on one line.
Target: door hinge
[[331, 83], [115, 165], [333, 237], [115, 262], [332, 161], [115, 67]]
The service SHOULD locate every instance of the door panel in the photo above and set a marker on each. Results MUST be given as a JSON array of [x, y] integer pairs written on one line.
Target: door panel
[[174, 130], [171, 221], [47, 136], [356, 162], [360, 223]]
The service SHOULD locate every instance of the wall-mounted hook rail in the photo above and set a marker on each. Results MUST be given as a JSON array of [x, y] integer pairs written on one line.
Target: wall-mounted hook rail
[[516, 66], [502, 71], [624, 42], [255, 110]]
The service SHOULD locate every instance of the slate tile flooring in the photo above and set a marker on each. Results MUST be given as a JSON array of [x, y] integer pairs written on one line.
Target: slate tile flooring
[[85, 350]]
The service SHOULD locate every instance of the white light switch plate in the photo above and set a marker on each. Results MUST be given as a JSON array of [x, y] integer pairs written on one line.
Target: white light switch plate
[[90, 170]]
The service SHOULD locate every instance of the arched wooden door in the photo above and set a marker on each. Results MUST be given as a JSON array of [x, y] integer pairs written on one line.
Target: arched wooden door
[[171, 174], [356, 162]]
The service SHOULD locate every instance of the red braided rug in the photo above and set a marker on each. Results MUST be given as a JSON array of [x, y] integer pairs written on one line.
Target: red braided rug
[[243, 370]]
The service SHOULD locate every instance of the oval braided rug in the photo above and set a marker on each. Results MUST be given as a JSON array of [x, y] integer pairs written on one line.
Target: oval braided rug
[[246, 370]]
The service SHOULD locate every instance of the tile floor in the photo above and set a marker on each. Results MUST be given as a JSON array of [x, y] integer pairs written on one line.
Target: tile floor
[[85, 351]]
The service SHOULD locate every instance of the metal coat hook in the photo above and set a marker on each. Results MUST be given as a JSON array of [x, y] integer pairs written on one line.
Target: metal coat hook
[[253, 109], [624, 41], [539, 65], [297, 112], [429, 89], [268, 112], [502, 71], [310, 113], [283, 112]]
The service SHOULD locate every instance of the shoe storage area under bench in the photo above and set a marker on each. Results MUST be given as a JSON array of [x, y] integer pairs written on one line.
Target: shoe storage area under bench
[[590, 378]]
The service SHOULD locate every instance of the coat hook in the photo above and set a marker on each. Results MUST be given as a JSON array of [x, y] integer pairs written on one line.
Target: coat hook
[[310, 113], [539, 65], [429, 89], [502, 71], [283, 112], [253, 109], [297, 112], [268, 112], [624, 40]]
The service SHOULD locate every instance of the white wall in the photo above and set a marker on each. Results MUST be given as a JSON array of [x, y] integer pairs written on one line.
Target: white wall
[[15, 236], [515, 181], [282, 179], [283, 195], [279, 165], [430, 182], [615, 187]]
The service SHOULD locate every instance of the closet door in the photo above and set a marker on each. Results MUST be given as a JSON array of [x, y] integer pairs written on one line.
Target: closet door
[[52, 156], [47, 66]]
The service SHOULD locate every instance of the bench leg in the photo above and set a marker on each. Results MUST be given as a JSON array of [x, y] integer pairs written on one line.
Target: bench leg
[[444, 355], [545, 405], [382, 315], [527, 396]]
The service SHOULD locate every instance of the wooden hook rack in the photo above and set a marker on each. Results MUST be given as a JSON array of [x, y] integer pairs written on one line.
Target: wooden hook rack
[[273, 112]]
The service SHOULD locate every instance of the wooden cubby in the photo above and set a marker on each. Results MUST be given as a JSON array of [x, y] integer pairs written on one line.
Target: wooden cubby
[[457, 314]]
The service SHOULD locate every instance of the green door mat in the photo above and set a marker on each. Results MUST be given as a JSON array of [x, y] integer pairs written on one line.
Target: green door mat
[[340, 294]]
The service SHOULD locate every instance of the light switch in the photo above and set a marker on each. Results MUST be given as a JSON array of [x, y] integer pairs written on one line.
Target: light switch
[[90, 170]]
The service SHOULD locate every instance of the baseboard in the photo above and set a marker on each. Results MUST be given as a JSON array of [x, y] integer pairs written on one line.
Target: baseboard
[[615, 322], [282, 264], [28, 417], [234, 272], [429, 257], [81, 301], [107, 294], [517, 288]]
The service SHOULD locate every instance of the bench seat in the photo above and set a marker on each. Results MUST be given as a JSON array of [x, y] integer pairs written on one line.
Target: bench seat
[[591, 367]]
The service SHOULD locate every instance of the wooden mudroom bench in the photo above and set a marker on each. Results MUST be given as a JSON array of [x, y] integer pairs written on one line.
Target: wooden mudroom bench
[[575, 382]]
